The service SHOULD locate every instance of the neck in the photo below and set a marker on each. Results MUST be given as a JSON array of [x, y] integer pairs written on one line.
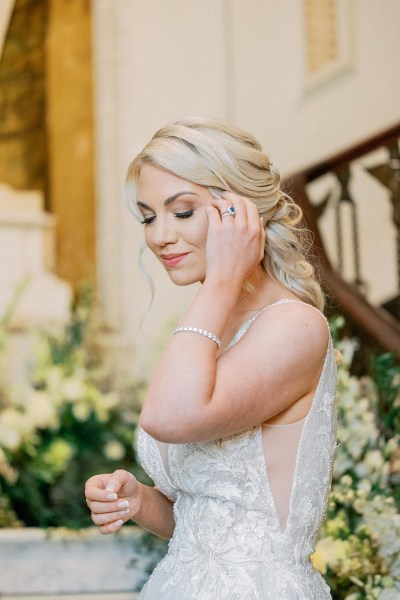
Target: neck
[[253, 282], [260, 291]]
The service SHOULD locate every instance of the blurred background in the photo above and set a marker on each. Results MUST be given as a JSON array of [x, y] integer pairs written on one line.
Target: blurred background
[[83, 86]]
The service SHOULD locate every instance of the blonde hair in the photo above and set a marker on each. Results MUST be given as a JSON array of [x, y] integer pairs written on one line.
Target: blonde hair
[[210, 153]]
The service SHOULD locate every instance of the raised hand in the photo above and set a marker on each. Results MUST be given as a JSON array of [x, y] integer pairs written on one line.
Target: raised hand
[[235, 244], [113, 499]]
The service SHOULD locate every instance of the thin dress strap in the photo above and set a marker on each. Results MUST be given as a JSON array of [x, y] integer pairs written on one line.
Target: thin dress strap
[[240, 333]]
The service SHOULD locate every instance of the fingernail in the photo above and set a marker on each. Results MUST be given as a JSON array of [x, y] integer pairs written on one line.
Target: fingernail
[[112, 496], [118, 523], [123, 504], [123, 512]]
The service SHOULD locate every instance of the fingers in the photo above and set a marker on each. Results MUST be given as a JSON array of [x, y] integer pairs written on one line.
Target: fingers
[[117, 480], [106, 487], [246, 210], [247, 215], [111, 527], [214, 217], [102, 518], [234, 239], [119, 507], [106, 497]]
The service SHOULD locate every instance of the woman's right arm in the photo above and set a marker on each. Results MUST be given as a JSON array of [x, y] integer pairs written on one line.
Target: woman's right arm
[[115, 498]]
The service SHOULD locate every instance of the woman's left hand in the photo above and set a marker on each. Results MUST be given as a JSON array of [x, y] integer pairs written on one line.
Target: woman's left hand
[[235, 244]]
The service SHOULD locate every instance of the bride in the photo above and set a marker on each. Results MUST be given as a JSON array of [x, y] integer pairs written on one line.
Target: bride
[[238, 429]]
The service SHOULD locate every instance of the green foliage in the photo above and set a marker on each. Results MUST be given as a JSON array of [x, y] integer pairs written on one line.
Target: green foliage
[[386, 373], [358, 550], [74, 420]]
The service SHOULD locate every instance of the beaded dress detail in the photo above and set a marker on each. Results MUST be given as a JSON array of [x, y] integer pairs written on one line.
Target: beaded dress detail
[[228, 543]]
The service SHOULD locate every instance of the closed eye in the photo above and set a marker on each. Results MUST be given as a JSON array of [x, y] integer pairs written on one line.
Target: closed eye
[[184, 215], [148, 220]]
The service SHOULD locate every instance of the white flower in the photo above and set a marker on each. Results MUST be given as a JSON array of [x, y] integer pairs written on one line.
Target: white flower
[[10, 475], [347, 347], [114, 450], [14, 428], [365, 485], [73, 389], [110, 400], [346, 480], [389, 594], [81, 411], [40, 410], [373, 461], [342, 463]]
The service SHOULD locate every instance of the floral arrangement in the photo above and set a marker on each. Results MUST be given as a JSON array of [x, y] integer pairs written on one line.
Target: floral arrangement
[[358, 550], [75, 419]]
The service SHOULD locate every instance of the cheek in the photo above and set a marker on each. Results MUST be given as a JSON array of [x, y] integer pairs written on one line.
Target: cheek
[[199, 232], [148, 238]]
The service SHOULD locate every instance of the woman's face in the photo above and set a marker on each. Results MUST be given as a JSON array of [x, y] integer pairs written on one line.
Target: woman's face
[[175, 222]]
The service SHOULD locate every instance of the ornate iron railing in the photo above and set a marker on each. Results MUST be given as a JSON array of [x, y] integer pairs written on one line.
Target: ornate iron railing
[[380, 322]]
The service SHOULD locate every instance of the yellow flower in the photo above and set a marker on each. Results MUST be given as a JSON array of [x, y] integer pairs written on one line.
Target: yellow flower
[[58, 456], [333, 526], [329, 553]]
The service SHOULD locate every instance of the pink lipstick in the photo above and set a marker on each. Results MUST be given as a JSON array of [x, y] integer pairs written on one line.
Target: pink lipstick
[[171, 260]]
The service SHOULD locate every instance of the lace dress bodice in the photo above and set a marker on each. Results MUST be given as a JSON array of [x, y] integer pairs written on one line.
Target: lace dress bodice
[[228, 542]]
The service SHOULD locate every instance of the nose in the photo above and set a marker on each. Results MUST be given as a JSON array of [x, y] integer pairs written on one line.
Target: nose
[[163, 232]]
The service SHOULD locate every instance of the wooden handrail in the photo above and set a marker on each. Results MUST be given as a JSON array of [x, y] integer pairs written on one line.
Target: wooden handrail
[[375, 321], [343, 158]]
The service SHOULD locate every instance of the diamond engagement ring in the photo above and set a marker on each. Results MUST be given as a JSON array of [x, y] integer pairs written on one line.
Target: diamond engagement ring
[[230, 212]]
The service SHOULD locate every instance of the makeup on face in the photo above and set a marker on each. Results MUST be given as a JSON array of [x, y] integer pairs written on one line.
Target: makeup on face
[[181, 211], [175, 222]]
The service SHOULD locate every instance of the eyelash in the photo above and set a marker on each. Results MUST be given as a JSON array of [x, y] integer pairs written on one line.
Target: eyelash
[[182, 215]]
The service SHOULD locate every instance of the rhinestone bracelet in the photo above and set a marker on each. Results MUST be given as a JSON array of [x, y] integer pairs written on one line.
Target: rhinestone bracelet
[[208, 334]]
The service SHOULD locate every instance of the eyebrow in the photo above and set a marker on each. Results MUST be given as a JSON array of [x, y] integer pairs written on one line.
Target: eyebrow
[[169, 200]]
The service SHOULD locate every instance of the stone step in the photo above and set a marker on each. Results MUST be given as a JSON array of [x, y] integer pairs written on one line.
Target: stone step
[[99, 596], [70, 565]]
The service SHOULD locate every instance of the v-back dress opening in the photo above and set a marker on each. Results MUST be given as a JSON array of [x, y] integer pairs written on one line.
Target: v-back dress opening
[[247, 507]]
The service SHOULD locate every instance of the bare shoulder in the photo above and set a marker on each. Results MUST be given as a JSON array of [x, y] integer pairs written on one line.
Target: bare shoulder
[[294, 330]]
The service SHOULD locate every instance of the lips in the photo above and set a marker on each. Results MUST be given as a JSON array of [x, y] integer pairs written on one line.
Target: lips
[[171, 260]]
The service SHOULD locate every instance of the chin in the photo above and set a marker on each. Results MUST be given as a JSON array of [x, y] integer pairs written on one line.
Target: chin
[[183, 279]]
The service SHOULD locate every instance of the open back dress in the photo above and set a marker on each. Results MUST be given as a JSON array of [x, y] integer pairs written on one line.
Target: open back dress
[[247, 507]]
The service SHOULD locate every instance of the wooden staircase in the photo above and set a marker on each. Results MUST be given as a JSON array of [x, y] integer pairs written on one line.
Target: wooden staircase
[[378, 325]]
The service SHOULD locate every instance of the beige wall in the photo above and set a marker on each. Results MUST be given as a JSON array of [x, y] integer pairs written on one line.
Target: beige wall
[[243, 61]]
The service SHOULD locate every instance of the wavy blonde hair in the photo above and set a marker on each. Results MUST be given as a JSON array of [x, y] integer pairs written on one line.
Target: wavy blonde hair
[[210, 153]]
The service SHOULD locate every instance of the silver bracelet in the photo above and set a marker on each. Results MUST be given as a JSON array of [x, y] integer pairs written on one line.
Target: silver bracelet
[[208, 334]]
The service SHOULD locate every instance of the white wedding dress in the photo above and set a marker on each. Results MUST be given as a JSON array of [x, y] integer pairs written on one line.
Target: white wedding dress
[[248, 507]]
